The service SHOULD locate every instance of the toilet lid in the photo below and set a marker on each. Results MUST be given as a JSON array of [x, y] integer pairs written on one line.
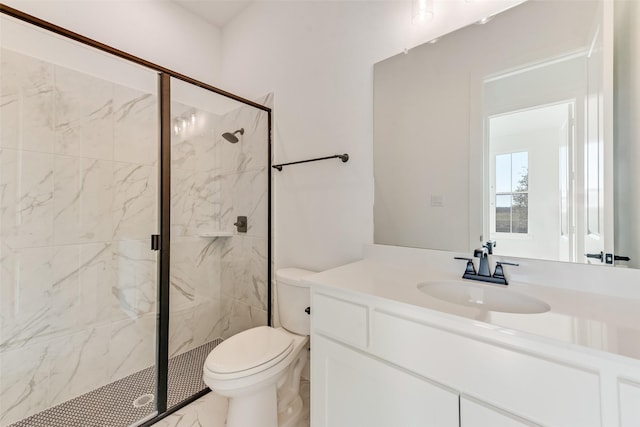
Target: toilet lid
[[262, 346]]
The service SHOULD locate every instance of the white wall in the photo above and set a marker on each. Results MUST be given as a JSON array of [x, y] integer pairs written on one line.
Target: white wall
[[317, 58], [158, 31]]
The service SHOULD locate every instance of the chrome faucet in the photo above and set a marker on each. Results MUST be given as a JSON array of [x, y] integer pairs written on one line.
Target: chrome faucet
[[484, 272]]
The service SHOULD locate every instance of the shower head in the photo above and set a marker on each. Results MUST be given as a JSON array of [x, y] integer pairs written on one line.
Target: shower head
[[231, 137]]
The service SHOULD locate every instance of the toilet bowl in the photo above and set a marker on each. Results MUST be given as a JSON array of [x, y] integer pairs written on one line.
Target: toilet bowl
[[259, 369]]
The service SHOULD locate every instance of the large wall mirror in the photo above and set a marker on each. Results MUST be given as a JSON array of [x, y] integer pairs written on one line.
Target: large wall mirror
[[522, 130]]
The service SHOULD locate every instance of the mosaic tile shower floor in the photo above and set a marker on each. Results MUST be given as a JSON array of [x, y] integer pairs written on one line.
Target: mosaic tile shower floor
[[113, 404]]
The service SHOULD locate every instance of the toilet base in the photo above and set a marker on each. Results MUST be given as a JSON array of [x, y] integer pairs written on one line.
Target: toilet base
[[261, 405], [291, 415]]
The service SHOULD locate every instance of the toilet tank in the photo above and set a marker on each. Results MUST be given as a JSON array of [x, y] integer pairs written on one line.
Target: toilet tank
[[293, 299]]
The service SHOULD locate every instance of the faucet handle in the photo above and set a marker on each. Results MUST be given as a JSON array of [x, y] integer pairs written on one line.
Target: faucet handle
[[470, 269], [499, 271], [507, 263]]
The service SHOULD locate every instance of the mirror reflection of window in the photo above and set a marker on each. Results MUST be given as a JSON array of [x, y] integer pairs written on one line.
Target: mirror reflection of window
[[512, 193]]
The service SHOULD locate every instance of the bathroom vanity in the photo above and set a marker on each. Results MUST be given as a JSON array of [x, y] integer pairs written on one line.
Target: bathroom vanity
[[386, 353]]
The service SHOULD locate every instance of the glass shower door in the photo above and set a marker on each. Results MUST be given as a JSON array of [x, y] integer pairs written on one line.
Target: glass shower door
[[78, 188], [219, 269]]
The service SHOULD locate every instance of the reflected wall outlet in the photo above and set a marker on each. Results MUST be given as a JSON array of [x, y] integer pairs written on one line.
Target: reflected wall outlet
[[436, 201]]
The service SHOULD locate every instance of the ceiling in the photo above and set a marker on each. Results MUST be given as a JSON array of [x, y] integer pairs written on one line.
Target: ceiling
[[217, 12]]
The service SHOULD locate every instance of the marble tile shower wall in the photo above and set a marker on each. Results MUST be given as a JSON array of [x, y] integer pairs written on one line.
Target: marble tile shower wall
[[195, 204], [218, 284], [244, 178], [78, 189]]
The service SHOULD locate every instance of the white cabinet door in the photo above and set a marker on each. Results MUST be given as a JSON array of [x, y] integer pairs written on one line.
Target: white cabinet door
[[629, 404], [351, 389], [476, 414]]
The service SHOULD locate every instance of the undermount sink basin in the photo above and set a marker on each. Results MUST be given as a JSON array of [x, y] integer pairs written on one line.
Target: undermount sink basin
[[486, 297]]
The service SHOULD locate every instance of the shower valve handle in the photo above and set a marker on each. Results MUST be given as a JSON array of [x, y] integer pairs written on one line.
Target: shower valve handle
[[241, 224]]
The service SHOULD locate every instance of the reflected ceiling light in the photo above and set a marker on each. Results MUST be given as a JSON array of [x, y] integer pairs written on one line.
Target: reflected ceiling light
[[484, 20], [421, 11]]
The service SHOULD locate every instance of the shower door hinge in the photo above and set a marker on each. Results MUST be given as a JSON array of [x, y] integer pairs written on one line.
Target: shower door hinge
[[155, 242]]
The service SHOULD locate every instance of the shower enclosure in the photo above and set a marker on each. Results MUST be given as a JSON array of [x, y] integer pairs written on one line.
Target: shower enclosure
[[121, 263]]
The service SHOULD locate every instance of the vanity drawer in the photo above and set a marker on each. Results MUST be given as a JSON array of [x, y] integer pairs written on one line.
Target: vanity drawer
[[541, 390], [339, 319]]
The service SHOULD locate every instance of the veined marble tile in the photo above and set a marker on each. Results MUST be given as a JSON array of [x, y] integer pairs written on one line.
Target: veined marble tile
[[227, 212], [183, 153], [196, 202], [250, 198], [25, 380], [208, 266], [257, 273], [212, 320], [183, 278], [96, 280], [244, 271], [242, 317], [132, 346], [181, 330], [83, 199], [231, 260], [134, 289], [26, 103], [256, 143], [96, 277], [135, 201], [135, 126], [25, 286], [50, 291], [78, 364], [206, 196], [26, 198], [206, 141], [182, 202], [195, 269], [84, 115], [64, 290], [245, 193]]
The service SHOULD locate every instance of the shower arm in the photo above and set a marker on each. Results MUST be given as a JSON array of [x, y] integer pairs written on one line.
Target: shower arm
[[343, 157]]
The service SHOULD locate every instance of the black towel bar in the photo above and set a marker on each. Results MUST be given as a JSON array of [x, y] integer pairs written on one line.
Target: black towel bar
[[343, 157]]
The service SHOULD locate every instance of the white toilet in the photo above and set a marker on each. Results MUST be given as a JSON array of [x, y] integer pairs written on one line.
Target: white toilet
[[259, 369]]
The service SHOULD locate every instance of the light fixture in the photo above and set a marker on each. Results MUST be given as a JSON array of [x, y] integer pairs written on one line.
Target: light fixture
[[421, 11], [185, 123]]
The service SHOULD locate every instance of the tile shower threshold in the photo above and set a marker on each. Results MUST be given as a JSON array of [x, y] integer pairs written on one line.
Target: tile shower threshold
[[130, 400]]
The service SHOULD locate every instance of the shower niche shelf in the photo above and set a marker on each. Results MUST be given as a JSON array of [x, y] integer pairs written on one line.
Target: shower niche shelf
[[218, 233]]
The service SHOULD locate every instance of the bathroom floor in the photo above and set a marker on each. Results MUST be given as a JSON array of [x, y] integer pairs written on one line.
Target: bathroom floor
[[210, 411], [113, 404]]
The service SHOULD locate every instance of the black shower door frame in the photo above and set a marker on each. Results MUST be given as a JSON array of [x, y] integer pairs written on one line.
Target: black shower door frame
[[164, 77]]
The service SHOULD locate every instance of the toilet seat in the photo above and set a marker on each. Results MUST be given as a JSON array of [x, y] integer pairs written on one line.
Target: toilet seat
[[248, 352]]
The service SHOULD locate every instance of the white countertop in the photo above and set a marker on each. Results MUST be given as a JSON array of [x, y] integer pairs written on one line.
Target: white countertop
[[605, 323]]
